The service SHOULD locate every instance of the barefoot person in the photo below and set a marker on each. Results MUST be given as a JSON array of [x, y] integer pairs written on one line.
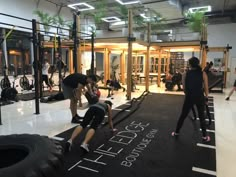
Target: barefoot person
[[194, 81], [72, 87], [96, 114]]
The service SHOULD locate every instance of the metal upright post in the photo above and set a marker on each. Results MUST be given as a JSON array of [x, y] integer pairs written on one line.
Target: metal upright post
[[60, 61], [36, 74], [75, 43], [41, 58], [0, 114], [92, 52]]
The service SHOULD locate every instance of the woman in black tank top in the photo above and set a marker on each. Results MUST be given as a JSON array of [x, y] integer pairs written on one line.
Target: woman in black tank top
[[94, 115], [195, 81]]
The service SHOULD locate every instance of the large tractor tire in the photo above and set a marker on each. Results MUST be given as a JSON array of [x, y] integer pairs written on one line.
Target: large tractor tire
[[30, 156]]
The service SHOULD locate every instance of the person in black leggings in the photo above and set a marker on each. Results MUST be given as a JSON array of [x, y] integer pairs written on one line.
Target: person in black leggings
[[194, 82], [207, 113], [95, 114]]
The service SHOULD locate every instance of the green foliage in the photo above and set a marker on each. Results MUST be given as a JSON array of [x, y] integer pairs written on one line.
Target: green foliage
[[195, 21], [44, 18], [70, 25], [100, 12]]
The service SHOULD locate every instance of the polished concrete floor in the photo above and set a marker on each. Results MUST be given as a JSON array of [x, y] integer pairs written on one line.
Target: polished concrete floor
[[55, 118]]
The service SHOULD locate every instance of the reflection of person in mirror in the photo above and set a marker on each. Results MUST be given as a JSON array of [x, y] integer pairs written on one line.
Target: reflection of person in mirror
[[233, 89]]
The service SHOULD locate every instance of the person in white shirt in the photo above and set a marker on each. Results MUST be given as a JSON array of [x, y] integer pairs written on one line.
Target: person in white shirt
[[45, 78]]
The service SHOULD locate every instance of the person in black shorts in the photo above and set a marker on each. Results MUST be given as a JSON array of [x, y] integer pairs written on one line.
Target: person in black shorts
[[233, 89], [95, 114], [195, 81], [72, 87]]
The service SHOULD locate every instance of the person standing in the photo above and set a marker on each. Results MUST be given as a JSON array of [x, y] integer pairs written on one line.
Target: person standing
[[72, 87], [94, 114], [233, 89], [45, 78], [195, 81]]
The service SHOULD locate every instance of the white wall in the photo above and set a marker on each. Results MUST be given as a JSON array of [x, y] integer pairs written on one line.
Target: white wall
[[25, 8], [220, 36]]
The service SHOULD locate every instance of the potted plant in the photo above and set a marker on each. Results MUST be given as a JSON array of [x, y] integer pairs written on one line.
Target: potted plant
[[195, 21], [59, 22], [44, 18]]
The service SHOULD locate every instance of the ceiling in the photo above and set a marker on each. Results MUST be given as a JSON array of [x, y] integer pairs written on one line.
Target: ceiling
[[223, 11]]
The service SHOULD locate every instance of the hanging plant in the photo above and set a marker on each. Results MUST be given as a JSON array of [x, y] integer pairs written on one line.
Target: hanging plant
[[44, 18], [195, 21], [59, 22]]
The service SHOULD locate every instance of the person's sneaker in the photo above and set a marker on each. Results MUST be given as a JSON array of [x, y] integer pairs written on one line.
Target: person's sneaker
[[77, 119], [68, 147], [84, 147], [174, 134], [206, 139], [227, 99]]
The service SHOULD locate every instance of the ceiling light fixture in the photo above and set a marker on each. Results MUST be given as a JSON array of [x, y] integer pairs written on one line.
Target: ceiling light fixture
[[81, 6], [200, 9], [111, 19], [125, 2]]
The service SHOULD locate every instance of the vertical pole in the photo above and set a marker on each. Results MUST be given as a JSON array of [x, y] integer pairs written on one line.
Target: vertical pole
[[41, 58], [147, 57], [75, 43], [92, 52], [130, 50], [79, 57], [36, 74], [71, 68], [0, 114], [159, 69], [122, 67], [32, 56], [168, 63], [106, 66], [4, 52], [60, 61]]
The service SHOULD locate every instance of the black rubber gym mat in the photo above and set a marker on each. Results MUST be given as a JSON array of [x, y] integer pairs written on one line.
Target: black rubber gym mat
[[31, 96], [143, 146]]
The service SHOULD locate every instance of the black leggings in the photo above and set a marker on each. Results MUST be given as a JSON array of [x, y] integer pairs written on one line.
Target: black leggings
[[46, 80], [187, 106], [94, 114], [207, 113]]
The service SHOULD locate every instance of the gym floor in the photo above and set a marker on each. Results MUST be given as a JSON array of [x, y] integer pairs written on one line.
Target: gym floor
[[55, 118]]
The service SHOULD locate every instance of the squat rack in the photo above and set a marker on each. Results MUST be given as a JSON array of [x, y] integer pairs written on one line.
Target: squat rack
[[36, 48]]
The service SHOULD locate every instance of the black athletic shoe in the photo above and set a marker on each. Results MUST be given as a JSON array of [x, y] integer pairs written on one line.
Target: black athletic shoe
[[227, 99], [68, 147], [77, 119]]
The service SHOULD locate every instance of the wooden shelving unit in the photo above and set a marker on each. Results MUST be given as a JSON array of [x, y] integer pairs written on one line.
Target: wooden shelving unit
[[177, 61]]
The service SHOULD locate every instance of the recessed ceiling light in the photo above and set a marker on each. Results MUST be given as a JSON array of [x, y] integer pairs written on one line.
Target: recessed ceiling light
[[81, 6], [111, 19], [127, 2], [200, 9]]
